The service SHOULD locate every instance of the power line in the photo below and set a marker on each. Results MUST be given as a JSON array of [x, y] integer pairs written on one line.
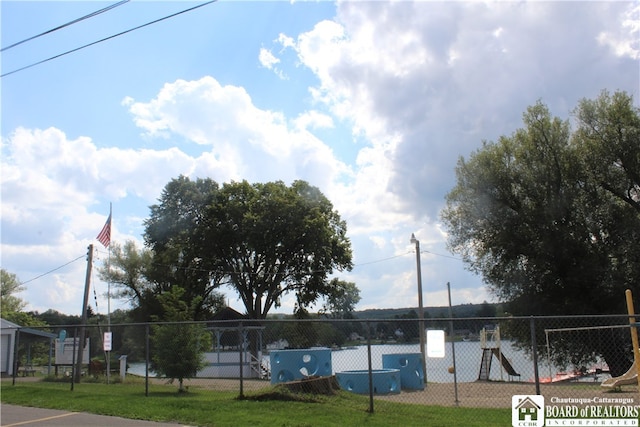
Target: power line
[[230, 272], [108, 38], [59, 27], [55, 269], [381, 260], [440, 255], [406, 253]]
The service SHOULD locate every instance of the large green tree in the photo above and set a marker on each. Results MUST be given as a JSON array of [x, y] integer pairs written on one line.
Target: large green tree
[[548, 217], [263, 240], [126, 272], [342, 301], [273, 240], [136, 274], [607, 144], [181, 255]]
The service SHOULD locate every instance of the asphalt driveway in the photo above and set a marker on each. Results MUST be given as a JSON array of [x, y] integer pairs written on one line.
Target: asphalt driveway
[[12, 415]]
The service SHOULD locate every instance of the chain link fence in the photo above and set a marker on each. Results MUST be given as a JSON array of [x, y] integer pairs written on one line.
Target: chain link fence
[[472, 362]]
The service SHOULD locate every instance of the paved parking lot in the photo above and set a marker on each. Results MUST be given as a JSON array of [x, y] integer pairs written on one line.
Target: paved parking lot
[[12, 415]]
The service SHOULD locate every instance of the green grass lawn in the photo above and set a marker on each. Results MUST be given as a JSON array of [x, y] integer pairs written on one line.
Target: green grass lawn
[[200, 407]]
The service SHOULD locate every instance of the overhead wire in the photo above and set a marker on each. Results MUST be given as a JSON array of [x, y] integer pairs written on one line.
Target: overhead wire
[[381, 260], [441, 255], [423, 251], [55, 269], [59, 27], [108, 38], [224, 272]]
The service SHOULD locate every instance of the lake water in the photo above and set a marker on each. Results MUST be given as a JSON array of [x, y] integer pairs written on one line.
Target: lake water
[[468, 361]]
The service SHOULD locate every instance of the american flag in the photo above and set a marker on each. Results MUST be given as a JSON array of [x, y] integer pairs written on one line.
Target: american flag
[[105, 235]]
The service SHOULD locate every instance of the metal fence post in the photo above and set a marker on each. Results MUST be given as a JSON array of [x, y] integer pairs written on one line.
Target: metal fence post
[[73, 357], [146, 360], [370, 367], [453, 348], [534, 347], [15, 355], [241, 346]]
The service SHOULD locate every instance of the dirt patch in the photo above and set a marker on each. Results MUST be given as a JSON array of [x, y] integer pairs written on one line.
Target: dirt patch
[[313, 385], [220, 384], [497, 394]]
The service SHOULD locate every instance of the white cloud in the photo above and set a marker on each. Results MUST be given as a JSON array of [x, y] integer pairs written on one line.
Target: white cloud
[[269, 61], [245, 142], [426, 82], [51, 185], [624, 40], [313, 119]]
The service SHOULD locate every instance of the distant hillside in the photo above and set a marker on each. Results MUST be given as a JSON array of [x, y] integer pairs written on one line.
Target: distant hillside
[[459, 311]]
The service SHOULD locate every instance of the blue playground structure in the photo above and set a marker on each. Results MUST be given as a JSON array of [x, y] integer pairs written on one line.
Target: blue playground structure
[[385, 381], [399, 371], [410, 367], [290, 365]]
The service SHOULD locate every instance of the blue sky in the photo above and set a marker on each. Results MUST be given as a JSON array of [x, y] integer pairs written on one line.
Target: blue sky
[[373, 102]]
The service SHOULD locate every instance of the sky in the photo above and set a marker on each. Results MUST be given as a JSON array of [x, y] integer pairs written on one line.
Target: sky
[[372, 102]]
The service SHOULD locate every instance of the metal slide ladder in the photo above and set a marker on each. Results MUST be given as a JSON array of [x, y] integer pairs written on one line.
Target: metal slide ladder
[[485, 365]]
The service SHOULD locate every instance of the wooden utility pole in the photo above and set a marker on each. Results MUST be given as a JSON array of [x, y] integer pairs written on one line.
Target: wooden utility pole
[[634, 333], [85, 304]]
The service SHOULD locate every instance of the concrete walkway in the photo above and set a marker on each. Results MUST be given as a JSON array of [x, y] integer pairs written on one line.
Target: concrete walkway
[[13, 416]]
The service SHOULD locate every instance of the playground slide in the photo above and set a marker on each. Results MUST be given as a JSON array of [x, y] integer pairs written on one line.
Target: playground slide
[[505, 363], [628, 378]]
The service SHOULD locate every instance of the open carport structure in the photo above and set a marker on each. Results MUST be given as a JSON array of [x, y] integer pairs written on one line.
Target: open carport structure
[[13, 337]]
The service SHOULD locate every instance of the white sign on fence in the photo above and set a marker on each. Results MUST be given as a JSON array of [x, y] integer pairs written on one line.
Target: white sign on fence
[[435, 343], [107, 341], [65, 353]]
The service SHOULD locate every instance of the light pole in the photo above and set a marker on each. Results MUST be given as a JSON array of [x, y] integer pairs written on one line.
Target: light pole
[[420, 307]]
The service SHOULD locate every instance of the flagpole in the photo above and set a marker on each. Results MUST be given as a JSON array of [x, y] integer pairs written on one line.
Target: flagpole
[[108, 269], [109, 292], [104, 237]]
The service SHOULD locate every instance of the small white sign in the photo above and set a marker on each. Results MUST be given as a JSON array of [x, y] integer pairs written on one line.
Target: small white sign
[[107, 341], [64, 351], [435, 343]]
